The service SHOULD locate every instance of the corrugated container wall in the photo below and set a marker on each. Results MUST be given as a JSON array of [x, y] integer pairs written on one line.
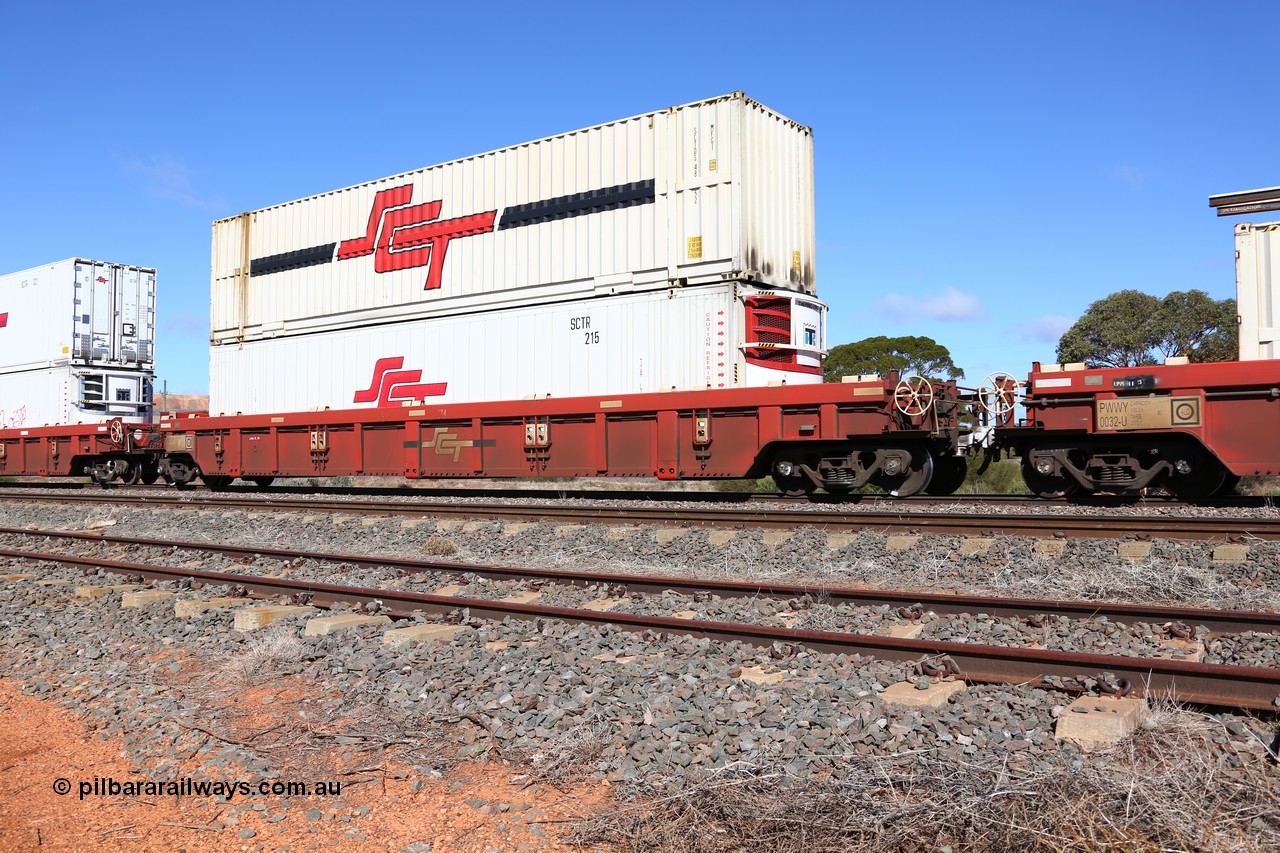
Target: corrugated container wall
[[1258, 289], [697, 194], [718, 336]]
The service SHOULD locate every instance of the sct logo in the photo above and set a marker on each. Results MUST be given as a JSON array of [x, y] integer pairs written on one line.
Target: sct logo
[[401, 235], [392, 386]]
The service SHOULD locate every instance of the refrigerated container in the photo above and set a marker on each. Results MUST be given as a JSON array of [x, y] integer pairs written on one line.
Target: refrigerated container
[[71, 394], [691, 195], [1258, 289], [717, 336], [77, 343], [77, 312]]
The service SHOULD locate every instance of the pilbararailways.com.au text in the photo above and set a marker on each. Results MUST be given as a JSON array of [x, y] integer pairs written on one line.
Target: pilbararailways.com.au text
[[106, 786]]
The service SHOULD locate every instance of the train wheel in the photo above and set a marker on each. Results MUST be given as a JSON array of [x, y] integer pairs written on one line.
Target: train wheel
[[1229, 485], [912, 481], [948, 474], [263, 482], [1047, 485], [794, 486], [789, 479], [178, 472], [216, 481], [1197, 474], [149, 474], [132, 476]]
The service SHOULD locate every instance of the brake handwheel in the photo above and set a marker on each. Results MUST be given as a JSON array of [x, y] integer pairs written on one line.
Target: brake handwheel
[[116, 432], [998, 393], [913, 396]]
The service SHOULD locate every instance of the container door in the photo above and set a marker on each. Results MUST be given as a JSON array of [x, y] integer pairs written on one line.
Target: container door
[[114, 314], [136, 302], [96, 338]]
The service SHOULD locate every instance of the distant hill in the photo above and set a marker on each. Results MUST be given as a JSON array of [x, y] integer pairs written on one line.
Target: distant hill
[[182, 402]]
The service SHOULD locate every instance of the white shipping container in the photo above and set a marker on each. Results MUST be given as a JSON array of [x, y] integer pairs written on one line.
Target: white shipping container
[[1258, 289], [717, 336], [697, 194], [68, 394], [77, 312]]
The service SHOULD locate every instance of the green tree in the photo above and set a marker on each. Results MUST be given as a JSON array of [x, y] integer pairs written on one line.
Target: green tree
[[1130, 329], [907, 355], [1199, 327]]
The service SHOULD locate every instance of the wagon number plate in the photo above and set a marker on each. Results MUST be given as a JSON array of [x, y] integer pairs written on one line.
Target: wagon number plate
[[1149, 413]]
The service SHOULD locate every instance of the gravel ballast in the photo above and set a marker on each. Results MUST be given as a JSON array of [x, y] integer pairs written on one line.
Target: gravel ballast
[[598, 701]]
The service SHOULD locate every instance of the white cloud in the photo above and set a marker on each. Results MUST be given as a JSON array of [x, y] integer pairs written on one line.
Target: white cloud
[[1047, 328], [951, 304], [1134, 176], [168, 178]]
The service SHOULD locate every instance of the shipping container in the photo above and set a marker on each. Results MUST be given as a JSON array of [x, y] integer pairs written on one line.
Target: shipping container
[[77, 313], [68, 394], [1258, 289], [697, 194], [718, 336]]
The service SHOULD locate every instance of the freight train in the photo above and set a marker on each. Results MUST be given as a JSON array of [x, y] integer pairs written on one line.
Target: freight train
[[632, 299]]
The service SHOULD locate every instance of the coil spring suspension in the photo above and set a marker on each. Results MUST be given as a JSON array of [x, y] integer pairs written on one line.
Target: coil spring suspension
[[838, 477], [1111, 474]]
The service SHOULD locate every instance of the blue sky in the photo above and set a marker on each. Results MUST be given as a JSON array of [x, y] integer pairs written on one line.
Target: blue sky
[[984, 171]]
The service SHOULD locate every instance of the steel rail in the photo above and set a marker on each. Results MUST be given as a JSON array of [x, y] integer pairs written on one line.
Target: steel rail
[[1207, 684], [664, 496], [1016, 524], [1221, 621]]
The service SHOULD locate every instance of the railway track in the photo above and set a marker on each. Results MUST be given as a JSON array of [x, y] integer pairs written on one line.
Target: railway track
[[1211, 684], [1201, 528], [656, 495]]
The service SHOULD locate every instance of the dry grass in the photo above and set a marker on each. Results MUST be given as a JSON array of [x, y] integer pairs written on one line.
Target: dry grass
[[570, 756], [260, 701], [819, 613], [1154, 579], [269, 656], [1167, 789], [438, 546]]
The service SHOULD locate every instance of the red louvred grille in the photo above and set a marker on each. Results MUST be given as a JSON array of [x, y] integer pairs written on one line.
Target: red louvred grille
[[769, 322], [769, 327]]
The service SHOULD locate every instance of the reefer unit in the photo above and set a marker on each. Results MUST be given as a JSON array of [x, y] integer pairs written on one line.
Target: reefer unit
[[76, 343], [717, 336], [68, 394], [78, 312], [697, 194], [1258, 289]]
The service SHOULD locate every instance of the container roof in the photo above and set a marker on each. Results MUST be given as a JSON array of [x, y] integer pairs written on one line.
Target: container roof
[[1246, 201]]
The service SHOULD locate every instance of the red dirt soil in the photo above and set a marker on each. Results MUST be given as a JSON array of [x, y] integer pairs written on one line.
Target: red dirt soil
[[41, 743]]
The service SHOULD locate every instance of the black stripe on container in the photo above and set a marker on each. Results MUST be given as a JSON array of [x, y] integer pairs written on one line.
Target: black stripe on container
[[578, 204], [292, 260]]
